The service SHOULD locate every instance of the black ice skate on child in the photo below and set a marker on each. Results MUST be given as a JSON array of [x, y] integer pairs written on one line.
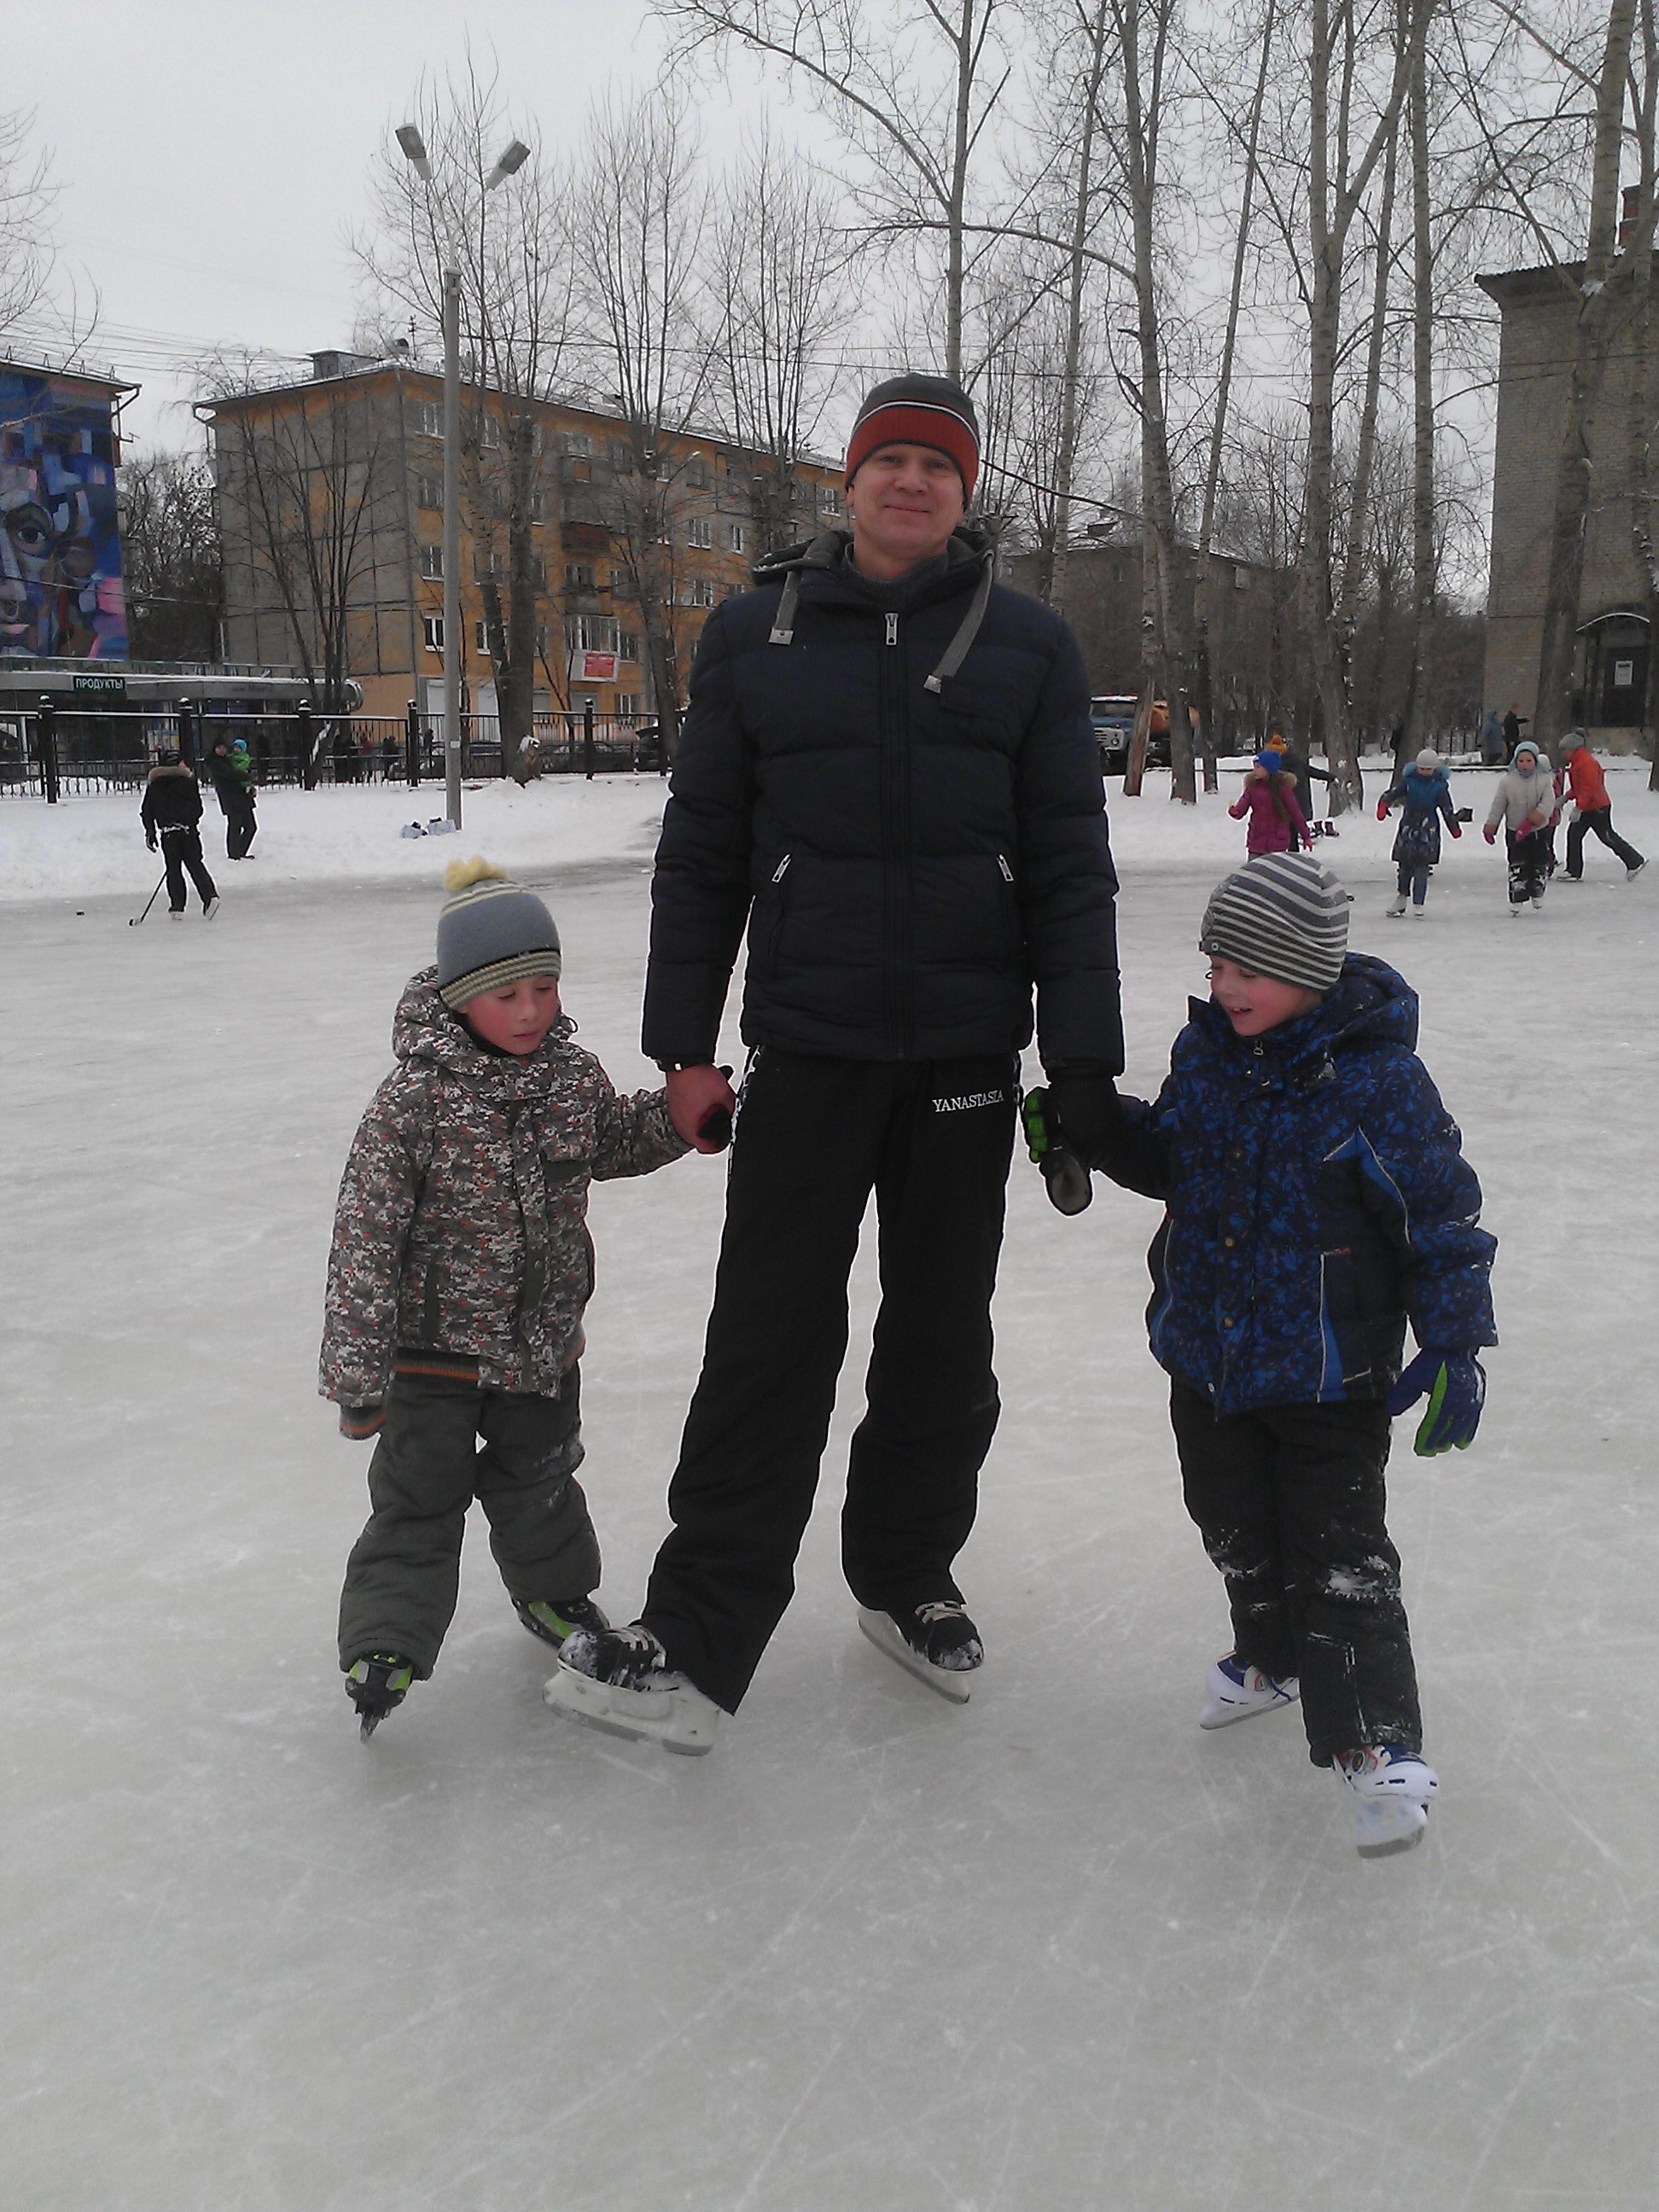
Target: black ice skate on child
[[937, 1643], [555, 1619], [376, 1685]]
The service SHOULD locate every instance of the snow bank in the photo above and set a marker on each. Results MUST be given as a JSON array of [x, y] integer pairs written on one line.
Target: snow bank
[[89, 845]]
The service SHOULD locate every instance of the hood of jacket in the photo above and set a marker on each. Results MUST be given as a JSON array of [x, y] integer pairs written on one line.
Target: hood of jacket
[[171, 772], [424, 1031], [1370, 1004]]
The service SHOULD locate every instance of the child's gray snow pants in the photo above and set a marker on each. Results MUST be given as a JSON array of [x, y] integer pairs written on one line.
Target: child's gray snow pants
[[404, 1574]]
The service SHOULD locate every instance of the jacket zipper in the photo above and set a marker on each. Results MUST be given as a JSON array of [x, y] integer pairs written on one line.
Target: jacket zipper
[[892, 630], [782, 868]]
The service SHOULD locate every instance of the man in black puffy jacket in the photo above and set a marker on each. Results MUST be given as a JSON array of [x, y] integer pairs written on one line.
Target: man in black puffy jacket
[[887, 774]]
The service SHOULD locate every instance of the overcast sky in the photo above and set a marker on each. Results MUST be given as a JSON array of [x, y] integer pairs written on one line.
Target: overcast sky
[[211, 158]]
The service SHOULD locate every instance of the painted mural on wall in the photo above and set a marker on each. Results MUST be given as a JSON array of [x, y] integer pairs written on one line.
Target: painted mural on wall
[[60, 553]]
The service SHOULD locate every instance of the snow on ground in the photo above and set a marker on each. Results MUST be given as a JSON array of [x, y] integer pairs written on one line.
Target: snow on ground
[[1057, 1950]]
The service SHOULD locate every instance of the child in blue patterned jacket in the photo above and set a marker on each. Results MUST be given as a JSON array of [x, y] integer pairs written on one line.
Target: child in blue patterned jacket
[[1316, 1197]]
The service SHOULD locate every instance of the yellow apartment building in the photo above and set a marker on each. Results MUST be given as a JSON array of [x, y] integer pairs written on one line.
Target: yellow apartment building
[[330, 505]]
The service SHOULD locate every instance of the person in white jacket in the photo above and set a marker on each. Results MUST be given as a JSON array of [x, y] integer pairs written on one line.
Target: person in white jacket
[[1525, 805]]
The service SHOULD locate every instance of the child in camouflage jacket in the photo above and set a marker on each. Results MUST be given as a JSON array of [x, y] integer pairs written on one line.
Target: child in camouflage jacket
[[460, 1268]]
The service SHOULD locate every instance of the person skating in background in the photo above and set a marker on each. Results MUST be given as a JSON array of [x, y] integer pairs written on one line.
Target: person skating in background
[[172, 812], [1316, 1199], [1494, 753], [1525, 805], [1423, 795], [887, 773], [231, 772], [460, 1268], [1277, 824], [1514, 722], [1304, 774], [1587, 786]]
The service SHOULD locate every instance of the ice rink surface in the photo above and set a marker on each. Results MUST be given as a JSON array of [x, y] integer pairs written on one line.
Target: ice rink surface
[[1054, 1951]]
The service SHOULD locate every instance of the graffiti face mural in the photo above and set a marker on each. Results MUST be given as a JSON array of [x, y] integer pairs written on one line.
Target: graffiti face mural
[[60, 553]]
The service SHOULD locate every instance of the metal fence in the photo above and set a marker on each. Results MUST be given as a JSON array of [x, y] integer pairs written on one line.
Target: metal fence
[[53, 751]]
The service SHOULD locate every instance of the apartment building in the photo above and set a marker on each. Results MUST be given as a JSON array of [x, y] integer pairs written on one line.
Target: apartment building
[[331, 502]]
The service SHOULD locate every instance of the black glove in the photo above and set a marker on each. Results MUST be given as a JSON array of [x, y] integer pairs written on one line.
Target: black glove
[[150, 839], [1070, 1190], [360, 1421], [1084, 1114]]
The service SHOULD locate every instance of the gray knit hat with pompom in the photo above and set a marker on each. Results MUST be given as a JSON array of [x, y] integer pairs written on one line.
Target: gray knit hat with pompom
[[492, 932]]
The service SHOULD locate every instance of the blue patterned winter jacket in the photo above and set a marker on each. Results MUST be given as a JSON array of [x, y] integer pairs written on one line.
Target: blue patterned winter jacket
[[1317, 1196]]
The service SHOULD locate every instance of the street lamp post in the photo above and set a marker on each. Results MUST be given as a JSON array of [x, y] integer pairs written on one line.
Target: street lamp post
[[413, 147]]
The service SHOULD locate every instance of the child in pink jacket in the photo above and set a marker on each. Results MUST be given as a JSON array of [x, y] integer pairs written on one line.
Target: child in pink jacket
[[1277, 822]]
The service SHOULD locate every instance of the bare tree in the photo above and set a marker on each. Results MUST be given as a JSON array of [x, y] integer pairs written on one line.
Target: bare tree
[[913, 96], [519, 342], [300, 483], [774, 306], [27, 194], [172, 561], [643, 212]]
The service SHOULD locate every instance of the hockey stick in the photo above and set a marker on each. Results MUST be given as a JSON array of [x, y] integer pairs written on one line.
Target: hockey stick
[[133, 919]]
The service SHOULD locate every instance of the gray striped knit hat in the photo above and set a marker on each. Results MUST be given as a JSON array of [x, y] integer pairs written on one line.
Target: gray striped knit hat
[[1282, 915], [492, 932]]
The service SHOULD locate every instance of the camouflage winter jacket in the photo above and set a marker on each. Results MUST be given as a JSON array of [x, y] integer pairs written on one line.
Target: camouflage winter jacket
[[462, 1221]]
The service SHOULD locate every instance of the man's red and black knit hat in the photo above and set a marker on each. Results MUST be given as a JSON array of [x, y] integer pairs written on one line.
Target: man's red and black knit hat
[[919, 410]]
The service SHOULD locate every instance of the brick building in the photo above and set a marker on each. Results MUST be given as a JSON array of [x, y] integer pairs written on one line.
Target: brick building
[[1538, 313], [330, 505]]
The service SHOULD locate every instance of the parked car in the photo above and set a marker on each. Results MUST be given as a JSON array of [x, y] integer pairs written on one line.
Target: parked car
[[1114, 717]]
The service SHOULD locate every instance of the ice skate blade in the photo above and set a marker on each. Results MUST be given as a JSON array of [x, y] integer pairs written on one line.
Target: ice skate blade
[[1380, 1831], [685, 1723], [883, 1631], [1215, 1715]]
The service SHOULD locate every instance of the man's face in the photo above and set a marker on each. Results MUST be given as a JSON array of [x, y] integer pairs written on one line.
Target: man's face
[[905, 502]]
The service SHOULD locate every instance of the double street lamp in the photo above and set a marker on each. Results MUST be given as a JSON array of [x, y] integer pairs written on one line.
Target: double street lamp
[[413, 147]]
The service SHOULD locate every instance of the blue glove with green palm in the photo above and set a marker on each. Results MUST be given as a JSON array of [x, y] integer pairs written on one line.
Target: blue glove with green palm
[[1455, 1386]]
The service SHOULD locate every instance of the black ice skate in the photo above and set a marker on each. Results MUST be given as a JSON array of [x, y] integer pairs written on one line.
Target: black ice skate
[[936, 1642], [556, 1617], [377, 1685]]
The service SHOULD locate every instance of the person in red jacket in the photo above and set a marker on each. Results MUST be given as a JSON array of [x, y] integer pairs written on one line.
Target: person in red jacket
[[1587, 788]]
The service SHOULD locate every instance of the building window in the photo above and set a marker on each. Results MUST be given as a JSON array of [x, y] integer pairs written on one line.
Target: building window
[[696, 473], [431, 629], [575, 441], [579, 575], [579, 506], [627, 704], [700, 530], [830, 499], [622, 456], [432, 563], [740, 538], [590, 633], [428, 418], [541, 639], [537, 508], [429, 492], [628, 644], [481, 636], [490, 564], [489, 433], [700, 592]]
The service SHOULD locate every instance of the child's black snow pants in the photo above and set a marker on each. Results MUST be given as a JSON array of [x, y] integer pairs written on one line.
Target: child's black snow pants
[[814, 1137], [1290, 1501], [404, 1574]]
